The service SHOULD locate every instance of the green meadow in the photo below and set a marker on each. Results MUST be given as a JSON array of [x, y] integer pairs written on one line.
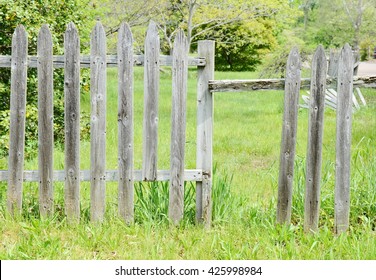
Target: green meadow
[[247, 135]]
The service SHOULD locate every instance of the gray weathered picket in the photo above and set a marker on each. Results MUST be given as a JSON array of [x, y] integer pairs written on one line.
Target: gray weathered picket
[[178, 126], [17, 119], [151, 93], [315, 136], [45, 122], [289, 134], [125, 123], [343, 143], [98, 122], [72, 123]]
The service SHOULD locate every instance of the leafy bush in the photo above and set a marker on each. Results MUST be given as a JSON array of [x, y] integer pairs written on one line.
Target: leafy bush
[[32, 14]]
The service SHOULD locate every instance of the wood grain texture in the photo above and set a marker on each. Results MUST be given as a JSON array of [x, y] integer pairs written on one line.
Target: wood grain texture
[[343, 143], [111, 61], [289, 134], [98, 123], [204, 157], [315, 136], [125, 124], [45, 122], [178, 126], [151, 92], [279, 84], [17, 120], [193, 175], [72, 123]]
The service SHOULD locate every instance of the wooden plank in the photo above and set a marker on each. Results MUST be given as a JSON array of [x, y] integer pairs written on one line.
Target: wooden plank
[[17, 120], [315, 136], [278, 84], [98, 123], [151, 92], [178, 126], [111, 61], [289, 132], [72, 123], [192, 175], [45, 122], [204, 157], [125, 123], [343, 143]]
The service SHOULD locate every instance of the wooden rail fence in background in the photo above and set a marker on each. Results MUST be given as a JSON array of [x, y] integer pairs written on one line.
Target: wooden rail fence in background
[[98, 61]]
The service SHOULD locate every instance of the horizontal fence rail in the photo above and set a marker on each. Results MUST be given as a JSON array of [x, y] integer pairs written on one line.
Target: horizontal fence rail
[[111, 61], [110, 175], [279, 84]]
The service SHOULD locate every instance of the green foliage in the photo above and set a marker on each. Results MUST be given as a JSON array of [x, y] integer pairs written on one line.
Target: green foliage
[[334, 23], [274, 65], [32, 14], [245, 45]]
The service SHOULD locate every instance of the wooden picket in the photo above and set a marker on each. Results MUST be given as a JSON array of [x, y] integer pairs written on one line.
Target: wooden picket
[[151, 93], [315, 136], [17, 119], [72, 123], [289, 133], [343, 143], [125, 123], [178, 126], [98, 122], [45, 122]]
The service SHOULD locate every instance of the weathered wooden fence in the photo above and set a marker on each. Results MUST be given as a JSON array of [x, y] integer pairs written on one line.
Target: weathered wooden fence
[[341, 76], [98, 61], [72, 61]]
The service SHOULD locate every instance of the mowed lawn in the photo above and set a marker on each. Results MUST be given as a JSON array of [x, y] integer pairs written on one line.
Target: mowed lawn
[[247, 134]]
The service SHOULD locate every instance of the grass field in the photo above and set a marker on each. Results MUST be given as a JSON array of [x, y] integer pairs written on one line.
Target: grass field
[[247, 131]]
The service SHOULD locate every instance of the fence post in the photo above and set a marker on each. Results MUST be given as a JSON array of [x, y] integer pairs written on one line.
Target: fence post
[[178, 126], [151, 92], [204, 156], [45, 122], [98, 123], [17, 120], [289, 131], [125, 123], [315, 135], [343, 143], [72, 123]]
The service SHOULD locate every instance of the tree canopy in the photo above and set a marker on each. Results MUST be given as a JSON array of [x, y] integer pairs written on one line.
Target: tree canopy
[[244, 30]]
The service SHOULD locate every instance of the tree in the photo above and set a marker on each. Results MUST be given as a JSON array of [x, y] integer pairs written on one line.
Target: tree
[[333, 23], [32, 14], [243, 30]]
